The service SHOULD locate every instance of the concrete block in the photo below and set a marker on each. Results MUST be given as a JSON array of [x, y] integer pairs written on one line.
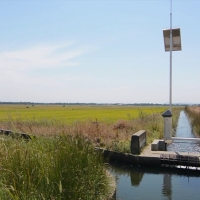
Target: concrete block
[[162, 146], [158, 145], [154, 145], [138, 140]]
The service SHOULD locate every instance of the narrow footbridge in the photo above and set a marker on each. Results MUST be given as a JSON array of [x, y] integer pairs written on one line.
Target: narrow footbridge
[[179, 160]]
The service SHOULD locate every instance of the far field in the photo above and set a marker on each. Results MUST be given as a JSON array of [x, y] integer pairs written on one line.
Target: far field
[[70, 114], [105, 126]]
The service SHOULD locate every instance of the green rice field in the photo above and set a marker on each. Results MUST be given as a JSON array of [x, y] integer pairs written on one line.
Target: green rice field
[[71, 114]]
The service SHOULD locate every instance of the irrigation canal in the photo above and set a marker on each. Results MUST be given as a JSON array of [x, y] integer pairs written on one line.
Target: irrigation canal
[[184, 130], [141, 183]]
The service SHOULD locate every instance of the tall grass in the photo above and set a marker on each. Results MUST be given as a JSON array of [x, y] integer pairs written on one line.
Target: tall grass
[[61, 167], [194, 115]]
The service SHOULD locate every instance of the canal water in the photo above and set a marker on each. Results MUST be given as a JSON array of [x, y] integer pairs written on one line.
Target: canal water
[[139, 183], [184, 130]]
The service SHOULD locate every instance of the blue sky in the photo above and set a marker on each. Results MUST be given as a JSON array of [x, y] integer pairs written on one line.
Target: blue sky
[[101, 51]]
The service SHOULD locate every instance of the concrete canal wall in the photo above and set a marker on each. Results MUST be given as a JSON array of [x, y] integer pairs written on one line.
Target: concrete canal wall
[[130, 158], [152, 159], [15, 134], [154, 155]]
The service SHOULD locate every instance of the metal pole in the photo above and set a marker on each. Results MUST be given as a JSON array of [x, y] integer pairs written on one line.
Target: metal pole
[[170, 93]]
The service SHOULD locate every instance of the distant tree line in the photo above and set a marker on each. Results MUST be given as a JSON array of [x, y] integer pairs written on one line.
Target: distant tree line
[[93, 104]]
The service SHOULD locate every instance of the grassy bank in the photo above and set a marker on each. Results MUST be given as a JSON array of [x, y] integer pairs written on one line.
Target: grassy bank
[[62, 167], [194, 115]]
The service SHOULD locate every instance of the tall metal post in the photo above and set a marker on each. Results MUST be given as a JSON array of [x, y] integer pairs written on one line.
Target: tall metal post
[[170, 90]]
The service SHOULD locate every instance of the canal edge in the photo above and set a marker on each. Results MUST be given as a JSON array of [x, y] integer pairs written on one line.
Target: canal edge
[[111, 195]]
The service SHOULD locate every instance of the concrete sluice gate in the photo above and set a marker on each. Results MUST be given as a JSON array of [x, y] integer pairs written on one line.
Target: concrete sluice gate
[[159, 154]]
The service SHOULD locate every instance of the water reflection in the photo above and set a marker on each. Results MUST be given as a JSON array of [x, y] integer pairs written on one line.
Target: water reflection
[[155, 183], [167, 186], [136, 178]]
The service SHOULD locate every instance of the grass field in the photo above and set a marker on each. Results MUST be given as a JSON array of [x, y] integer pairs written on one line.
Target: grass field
[[70, 114], [105, 126]]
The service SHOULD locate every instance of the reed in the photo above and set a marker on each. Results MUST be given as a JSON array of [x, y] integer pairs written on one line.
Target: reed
[[61, 167]]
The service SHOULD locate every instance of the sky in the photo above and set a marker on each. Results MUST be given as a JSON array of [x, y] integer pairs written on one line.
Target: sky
[[97, 51]]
